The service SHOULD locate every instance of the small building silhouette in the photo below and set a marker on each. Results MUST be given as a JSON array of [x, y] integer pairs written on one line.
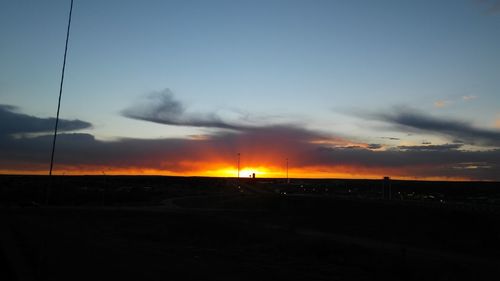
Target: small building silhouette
[[386, 188]]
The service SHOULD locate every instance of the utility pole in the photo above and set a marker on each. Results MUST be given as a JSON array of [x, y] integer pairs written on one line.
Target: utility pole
[[287, 179], [239, 165]]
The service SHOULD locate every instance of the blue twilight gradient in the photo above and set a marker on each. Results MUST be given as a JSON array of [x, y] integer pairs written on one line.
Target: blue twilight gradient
[[304, 61]]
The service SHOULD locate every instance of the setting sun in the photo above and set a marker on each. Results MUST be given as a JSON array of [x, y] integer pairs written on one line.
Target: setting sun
[[248, 172], [261, 172]]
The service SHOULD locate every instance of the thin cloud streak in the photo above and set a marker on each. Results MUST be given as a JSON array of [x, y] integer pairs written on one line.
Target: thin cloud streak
[[469, 97], [428, 147], [408, 119]]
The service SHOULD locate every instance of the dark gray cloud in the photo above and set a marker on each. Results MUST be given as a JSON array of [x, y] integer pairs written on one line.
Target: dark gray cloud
[[163, 108], [265, 146], [259, 146], [418, 163], [412, 120], [374, 146], [441, 147], [13, 122]]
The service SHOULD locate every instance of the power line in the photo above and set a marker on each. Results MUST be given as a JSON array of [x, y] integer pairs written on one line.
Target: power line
[[60, 91]]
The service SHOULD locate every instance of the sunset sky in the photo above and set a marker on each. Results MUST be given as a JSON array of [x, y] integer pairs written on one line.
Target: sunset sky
[[350, 89]]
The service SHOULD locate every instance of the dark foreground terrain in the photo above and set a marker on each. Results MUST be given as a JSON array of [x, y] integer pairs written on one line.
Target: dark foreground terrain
[[167, 228]]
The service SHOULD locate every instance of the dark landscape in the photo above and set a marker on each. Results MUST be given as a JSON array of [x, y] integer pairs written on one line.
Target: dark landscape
[[303, 140], [195, 228]]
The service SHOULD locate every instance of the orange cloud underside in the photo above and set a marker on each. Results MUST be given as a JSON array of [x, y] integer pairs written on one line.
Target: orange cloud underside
[[260, 154]]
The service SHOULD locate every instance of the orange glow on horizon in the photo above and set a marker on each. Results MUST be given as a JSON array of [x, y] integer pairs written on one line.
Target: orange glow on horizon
[[227, 171]]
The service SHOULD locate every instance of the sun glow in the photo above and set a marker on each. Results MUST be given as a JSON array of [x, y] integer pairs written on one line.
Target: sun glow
[[228, 171], [248, 172], [261, 172]]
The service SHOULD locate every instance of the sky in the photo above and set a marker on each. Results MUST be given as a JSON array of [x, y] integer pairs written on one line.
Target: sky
[[350, 89]]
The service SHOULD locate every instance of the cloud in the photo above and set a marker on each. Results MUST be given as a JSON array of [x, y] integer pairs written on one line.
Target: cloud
[[449, 102], [390, 138], [492, 6], [442, 147], [495, 8], [161, 107], [415, 162], [406, 119], [414, 157], [469, 97], [265, 146], [441, 103], [374, 146], [13, 122], [260, 146]]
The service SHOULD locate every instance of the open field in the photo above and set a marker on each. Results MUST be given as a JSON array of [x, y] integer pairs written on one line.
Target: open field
[[157, 228]]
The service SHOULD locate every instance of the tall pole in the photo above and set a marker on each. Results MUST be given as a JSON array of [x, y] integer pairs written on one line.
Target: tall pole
[[60, 91], [238, 165], [287, 179]]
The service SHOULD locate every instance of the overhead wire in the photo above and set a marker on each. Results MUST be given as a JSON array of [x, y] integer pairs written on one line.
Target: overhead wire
[[60, 91]]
